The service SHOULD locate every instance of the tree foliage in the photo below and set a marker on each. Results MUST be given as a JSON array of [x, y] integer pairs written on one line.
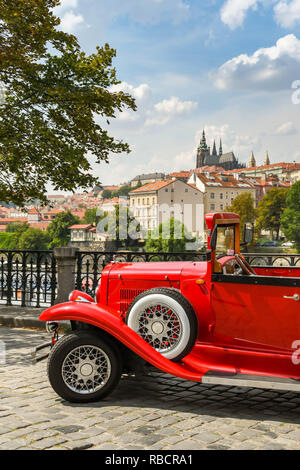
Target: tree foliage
[[244, 206], [270, 210], [58, 230], [170, 236], [122, 226], [17, 227], [58, 101], [33, 239], [290, 218]]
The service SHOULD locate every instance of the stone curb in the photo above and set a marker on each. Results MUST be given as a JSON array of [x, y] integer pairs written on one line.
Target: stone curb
[[28, 322], [21, 322]]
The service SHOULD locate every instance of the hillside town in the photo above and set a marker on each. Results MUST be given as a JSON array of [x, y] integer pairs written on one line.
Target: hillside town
[[212, 186]]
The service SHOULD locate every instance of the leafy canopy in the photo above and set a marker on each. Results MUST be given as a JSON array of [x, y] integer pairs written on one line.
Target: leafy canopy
[[270, 210], [170, 236], [244, 206], [57, 105], [58, 230], [290, 219]]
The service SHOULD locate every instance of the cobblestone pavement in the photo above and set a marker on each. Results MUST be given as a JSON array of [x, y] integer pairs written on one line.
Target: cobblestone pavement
[[154, 412]]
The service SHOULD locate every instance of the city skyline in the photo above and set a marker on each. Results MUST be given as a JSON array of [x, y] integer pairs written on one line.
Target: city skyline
[[226, 66]]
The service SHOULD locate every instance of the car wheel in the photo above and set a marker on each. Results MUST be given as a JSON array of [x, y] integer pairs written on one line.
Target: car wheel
[[166, 320], [83, 367]]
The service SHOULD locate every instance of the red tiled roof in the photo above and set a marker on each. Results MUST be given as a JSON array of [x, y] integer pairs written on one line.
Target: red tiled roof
[[33, 211], [152, 186], [215, 179], [264, 167], [12, 219], [80, 226]]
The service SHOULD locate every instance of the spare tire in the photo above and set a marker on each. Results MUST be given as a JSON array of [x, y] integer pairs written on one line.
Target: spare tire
[[166, 320]]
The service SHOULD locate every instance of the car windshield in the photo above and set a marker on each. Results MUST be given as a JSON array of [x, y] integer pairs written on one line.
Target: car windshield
[[225, 240]]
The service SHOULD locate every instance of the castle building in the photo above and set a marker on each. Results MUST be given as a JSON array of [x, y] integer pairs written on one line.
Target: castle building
[[205, 157]]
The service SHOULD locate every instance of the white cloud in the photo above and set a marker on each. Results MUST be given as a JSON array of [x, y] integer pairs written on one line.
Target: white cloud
[[272, 68], [288, 128], [233, 12], [166, 110], [70, 21], [148, 113], [287, 13]]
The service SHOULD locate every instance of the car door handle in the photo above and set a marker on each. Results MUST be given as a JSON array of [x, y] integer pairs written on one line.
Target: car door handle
[[295, 297]]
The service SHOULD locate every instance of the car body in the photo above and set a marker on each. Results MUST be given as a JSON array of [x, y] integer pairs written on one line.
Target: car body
[[212, 321], [288, 244]]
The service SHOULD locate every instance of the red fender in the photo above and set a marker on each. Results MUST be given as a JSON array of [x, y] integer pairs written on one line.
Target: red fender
[[108, 319]]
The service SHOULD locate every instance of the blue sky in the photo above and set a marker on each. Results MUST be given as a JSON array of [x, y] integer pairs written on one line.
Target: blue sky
[[223, 65]]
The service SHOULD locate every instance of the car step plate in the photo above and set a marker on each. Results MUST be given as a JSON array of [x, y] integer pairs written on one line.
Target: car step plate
[[252, 381]]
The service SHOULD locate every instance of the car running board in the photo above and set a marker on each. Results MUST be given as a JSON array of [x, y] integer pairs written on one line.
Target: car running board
[[253, 381]]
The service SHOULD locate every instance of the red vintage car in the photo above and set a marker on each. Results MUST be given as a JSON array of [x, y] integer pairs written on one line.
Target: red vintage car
[[215, 321]]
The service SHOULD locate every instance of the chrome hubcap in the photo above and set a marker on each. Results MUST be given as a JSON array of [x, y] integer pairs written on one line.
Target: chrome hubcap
[[86, 369], [160, 326]]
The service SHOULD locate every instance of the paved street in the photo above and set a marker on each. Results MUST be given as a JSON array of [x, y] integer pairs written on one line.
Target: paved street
[[153, 412]]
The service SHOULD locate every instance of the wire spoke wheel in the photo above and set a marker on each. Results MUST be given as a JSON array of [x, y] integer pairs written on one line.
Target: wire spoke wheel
[[86, 369], [161, 327], [165, 320]]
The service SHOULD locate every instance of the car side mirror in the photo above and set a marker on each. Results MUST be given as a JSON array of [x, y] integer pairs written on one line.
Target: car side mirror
[[248, 233]]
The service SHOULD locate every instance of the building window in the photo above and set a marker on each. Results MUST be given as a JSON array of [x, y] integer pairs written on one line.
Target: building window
[[148, 201], [212, 195], [221, 195], [153, 200], [221, 207], [212, 207]]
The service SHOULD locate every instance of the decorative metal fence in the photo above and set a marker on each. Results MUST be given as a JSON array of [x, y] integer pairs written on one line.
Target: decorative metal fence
[[273, 259], [27, 278]]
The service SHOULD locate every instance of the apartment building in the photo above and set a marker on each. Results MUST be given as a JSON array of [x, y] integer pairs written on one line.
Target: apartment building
[[220, 189], [159, 201]]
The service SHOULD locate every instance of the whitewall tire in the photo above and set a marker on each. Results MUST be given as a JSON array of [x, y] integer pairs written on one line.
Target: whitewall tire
[[166, 320]]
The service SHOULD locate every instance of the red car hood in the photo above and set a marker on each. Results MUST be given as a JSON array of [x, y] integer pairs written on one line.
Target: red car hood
[[155, 270]]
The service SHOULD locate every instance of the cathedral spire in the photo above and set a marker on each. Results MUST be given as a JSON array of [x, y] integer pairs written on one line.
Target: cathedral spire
[[267, 160], [221, 149], [252, 161], [214, 152], [203, 144]]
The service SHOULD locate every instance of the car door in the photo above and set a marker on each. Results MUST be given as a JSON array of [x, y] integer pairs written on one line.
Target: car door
[[256, 312]]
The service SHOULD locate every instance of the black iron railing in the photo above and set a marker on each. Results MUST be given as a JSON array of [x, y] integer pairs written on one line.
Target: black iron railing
[[27, 278], [273, 259]]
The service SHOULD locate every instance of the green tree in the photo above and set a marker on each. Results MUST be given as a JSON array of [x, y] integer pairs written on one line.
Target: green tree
[[170, 236], [57, 106], [17, 227], [106, 194], [290, 218], [59, 231], [270, 210], [244, 206], [90, 216], [122, 226], [8, 241], [93, 216], [33, 239]]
